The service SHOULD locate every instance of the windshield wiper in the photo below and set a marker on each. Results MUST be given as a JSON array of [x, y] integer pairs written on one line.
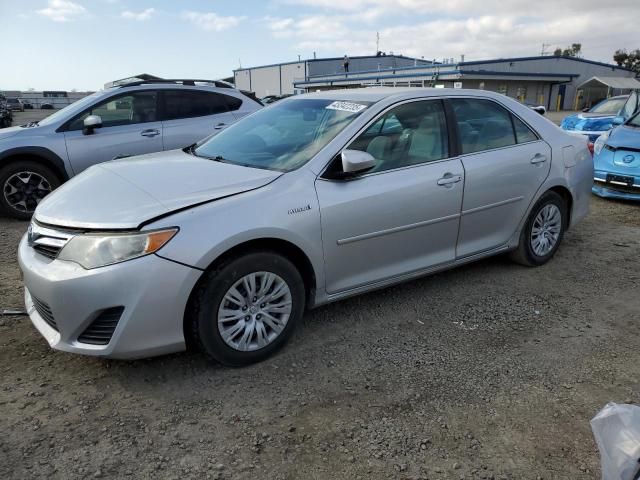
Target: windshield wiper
[[215, 158]]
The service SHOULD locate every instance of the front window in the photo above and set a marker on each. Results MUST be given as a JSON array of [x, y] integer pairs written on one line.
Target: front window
[[631, 105], [609, 107], [635, 120], [410, 134], [284, 136], [136, 107]]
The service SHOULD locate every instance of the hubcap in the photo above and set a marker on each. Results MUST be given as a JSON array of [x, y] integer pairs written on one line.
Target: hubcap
[[546, 230], [23, 191], [254, 311]]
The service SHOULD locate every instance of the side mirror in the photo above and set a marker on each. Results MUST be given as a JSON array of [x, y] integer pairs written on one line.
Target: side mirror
[[355, 161], [618, 121], [91, 123]]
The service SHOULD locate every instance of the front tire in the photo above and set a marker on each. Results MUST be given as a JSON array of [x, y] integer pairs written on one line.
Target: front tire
[[247, 308], [23, 185], [543, 232]]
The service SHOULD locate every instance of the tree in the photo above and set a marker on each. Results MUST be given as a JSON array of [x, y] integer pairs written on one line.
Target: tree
[[573, 51], [630, 60]]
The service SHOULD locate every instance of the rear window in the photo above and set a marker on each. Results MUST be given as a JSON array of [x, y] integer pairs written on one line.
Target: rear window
[[192, 103]]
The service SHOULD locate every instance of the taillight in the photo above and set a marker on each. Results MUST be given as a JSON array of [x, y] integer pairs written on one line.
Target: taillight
[[590, 147]]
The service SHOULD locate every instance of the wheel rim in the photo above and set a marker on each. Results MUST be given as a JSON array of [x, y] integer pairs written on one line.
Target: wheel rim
[[254, 311], [546, 230], [23, 191]]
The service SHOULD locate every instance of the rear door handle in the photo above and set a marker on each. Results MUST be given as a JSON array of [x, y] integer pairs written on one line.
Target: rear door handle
[[449, 179], [220, 126], [151, 132], [539, 158]]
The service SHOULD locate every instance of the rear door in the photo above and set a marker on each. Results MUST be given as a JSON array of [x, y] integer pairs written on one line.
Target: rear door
[[505, 163], [191, 115], [130, 126]]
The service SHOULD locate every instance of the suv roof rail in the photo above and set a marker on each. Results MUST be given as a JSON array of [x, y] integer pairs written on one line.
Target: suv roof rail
[[178, 81]]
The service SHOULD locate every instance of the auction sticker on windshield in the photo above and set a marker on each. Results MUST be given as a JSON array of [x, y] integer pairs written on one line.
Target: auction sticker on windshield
[[346, 106]]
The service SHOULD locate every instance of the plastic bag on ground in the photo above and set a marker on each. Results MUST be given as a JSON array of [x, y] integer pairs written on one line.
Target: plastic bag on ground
[[616, 429]]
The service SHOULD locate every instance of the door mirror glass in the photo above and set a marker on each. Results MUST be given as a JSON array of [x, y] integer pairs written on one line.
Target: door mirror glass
[[618, 121], [355, 161], [90, 123]]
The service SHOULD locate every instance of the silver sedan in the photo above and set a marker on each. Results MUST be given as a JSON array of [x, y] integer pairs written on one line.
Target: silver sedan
[[223, 245]]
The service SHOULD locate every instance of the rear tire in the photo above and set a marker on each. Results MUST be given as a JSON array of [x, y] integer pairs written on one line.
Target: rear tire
[[247, 308], [543, 231], [23, 185]]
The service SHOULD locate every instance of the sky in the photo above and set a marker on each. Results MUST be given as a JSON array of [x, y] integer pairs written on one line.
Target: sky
[[82, 44]]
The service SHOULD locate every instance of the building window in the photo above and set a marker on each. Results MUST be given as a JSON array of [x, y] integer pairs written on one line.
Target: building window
[[54, 94]]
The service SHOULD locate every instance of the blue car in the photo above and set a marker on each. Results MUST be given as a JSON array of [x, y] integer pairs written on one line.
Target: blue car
[[597, 120], [616, 161]]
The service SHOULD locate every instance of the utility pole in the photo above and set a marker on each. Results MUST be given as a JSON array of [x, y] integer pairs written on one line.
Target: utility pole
[[377, 42], [543, 52]]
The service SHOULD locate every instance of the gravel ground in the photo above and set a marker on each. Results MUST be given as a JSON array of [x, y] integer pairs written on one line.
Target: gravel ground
[[491, 370]]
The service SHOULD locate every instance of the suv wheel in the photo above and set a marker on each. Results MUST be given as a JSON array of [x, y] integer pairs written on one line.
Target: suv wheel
[[247, 308], [24, 185], [543, 232]]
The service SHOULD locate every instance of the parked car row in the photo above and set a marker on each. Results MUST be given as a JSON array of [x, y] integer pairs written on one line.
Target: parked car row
[[6, 114], [613, 129]]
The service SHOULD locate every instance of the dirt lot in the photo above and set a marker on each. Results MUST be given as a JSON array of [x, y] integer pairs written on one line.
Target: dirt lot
[[489, 371]]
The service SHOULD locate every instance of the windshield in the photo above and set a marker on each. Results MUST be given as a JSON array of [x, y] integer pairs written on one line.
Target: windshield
[[284, 136], [70, 109], [609, 107]]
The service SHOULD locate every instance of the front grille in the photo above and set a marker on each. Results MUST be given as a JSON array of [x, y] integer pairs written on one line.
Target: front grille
[[101, 329], [45, 312], [622, 188], [46, 240], [47, 250]]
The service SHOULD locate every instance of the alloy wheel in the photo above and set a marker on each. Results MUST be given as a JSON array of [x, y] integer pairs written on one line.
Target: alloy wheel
[[546, 229], [254, 311], [23, 191]]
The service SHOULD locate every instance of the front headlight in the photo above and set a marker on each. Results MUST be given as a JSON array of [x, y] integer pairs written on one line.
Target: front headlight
[[600, 143], [98, 250]]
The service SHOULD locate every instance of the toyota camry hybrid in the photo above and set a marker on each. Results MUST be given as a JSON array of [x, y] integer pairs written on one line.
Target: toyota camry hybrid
[[224, 244]]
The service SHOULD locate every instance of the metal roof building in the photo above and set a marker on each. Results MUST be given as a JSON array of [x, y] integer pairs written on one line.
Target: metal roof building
[[553, 81]]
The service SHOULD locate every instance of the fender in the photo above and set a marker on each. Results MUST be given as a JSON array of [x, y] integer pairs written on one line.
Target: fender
[[44, 153]]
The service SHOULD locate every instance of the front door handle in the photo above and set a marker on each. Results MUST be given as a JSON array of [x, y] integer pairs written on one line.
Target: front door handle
[[150, 132], [449, 179], [220, 126], [539, 158]]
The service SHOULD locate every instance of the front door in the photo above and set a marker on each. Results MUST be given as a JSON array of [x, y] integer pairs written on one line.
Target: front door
[[505, 164], [129, 127], [403, 215]]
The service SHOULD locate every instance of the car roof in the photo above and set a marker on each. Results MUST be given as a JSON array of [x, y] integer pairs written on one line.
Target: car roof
[[376, 94]]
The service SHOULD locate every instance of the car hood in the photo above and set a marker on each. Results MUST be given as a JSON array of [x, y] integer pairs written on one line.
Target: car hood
[[9, 132], [624, 137], [123, 194], [588, 121]]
